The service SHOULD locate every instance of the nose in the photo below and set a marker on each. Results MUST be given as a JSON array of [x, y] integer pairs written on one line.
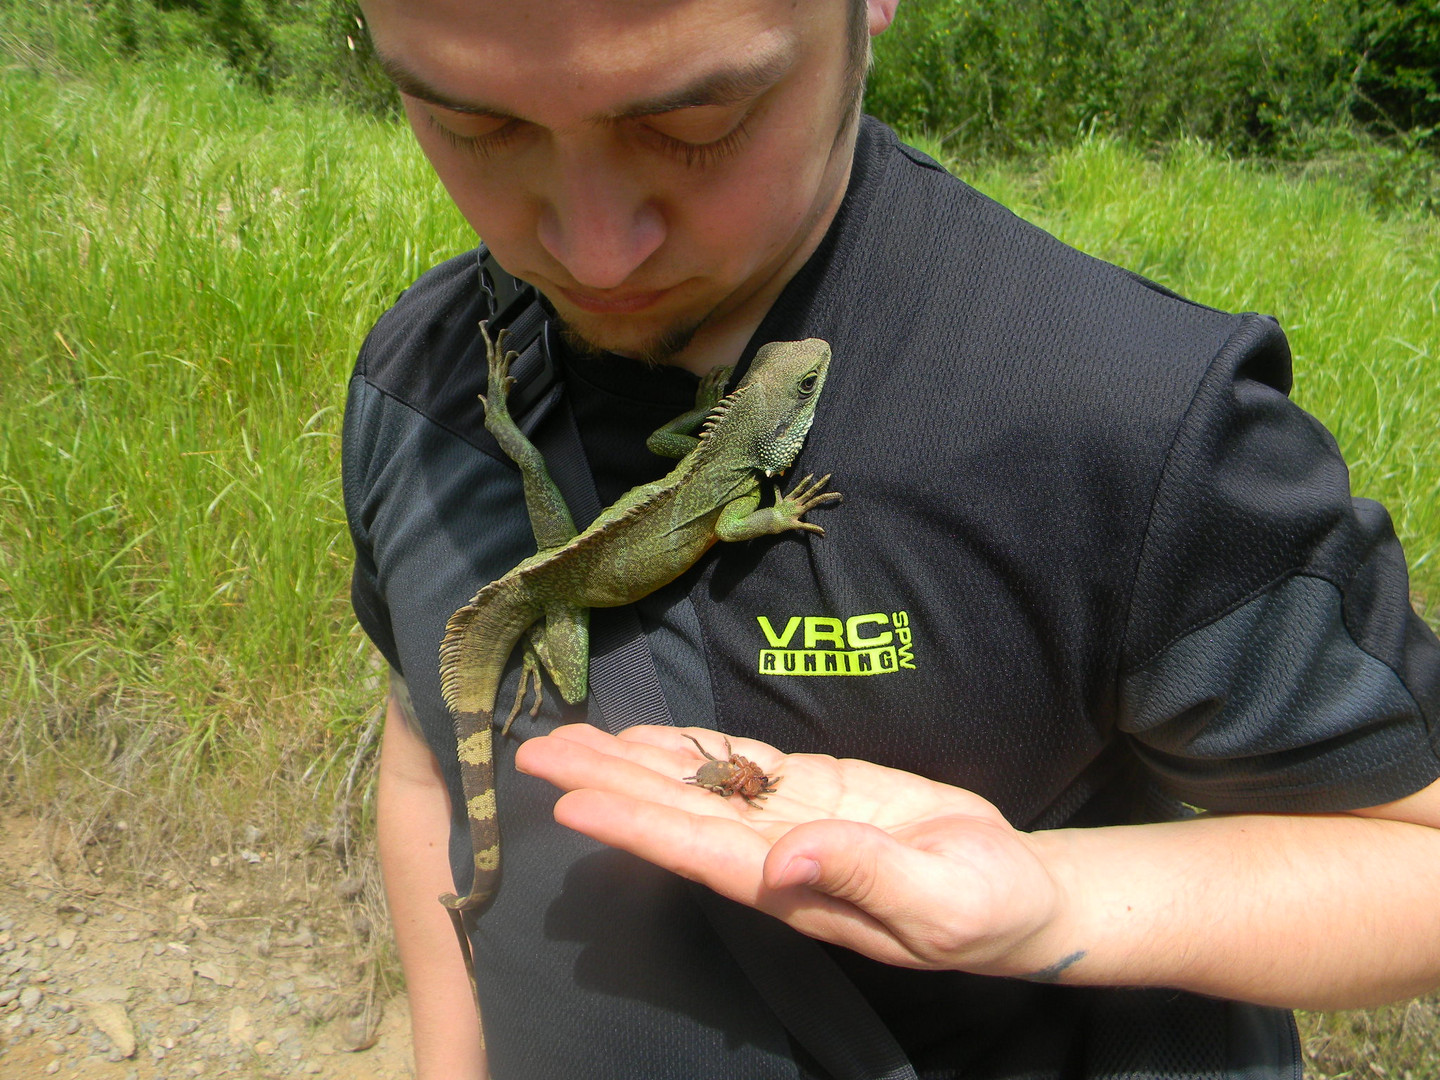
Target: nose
[[599, 222]]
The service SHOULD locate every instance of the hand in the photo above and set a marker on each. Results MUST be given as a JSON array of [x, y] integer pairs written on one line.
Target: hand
[[900, 868]]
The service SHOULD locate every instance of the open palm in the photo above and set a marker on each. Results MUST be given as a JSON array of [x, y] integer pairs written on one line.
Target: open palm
[[898, 867]]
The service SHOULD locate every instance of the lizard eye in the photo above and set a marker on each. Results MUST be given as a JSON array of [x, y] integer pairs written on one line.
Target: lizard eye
[[807, 384]]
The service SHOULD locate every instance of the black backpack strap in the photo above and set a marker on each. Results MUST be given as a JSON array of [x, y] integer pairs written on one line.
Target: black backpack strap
[[794, 975]]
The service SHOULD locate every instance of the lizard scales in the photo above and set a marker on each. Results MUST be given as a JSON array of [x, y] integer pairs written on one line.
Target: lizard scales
[[648, 537]]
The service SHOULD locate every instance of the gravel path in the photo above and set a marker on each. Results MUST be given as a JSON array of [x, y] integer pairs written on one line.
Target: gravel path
[[256, 966]]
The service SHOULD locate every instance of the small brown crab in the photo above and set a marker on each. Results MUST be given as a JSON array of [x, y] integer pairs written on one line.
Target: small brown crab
[[731, 775]]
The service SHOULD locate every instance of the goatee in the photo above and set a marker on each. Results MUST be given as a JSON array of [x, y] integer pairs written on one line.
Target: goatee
[[656, 352]]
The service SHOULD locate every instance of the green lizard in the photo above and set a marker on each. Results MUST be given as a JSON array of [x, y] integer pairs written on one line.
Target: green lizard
[[651, 535]]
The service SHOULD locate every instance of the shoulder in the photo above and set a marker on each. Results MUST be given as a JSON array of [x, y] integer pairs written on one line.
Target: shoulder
[[429, 323], [424, 358], [970, 265]]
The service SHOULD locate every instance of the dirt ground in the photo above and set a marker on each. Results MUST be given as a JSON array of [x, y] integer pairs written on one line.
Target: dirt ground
[[263, 962], [257, 965]]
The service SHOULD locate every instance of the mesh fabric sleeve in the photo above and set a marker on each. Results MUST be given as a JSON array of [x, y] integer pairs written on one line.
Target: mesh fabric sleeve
[[359, 441], [1272, 661]]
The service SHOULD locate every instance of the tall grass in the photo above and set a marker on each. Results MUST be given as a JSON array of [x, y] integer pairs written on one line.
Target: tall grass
[[186, 272]]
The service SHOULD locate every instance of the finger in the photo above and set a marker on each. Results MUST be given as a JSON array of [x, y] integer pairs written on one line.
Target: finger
[[570, 763], [653, 755], [718, 852]]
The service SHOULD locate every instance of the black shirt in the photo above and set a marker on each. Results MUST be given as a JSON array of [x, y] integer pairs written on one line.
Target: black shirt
[[1091, 564]]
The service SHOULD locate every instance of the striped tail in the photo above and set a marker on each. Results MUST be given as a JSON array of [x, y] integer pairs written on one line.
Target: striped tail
[[477, 776], [478, 640]]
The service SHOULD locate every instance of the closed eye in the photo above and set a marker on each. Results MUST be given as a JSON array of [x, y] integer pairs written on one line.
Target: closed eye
[[495, 134], [700, 135]]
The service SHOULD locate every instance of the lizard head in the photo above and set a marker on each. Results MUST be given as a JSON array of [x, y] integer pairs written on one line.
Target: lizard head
[[775, 404]]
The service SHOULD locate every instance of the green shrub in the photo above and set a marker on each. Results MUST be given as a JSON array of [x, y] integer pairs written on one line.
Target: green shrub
[[1397, 76], [1016, 74], [308, 48]]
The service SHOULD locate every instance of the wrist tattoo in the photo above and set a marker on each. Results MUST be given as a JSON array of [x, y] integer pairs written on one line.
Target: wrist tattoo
[[1053, 972], [400, 695]]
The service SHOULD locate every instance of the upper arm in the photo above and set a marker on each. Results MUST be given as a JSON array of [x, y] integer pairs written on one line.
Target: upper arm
[[1422, 808], [404, 753]]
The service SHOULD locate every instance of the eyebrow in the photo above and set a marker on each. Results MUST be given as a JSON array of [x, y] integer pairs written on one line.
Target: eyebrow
[[727, 86]]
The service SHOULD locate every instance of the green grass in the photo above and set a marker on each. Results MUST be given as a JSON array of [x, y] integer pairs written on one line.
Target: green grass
[[186, 272]]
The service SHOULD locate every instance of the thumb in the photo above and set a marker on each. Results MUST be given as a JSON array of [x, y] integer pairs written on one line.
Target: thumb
[[849, 860]]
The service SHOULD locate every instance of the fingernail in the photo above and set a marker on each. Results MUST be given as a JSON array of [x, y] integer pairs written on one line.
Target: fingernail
[[800, 871]]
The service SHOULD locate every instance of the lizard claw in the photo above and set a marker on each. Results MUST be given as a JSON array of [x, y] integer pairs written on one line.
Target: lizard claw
[[806, 495]]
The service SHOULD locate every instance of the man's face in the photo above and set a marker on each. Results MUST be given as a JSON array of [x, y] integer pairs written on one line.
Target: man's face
[[657, 168]]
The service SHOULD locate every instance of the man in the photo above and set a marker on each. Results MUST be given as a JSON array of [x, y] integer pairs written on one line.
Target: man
[[1120, 569]]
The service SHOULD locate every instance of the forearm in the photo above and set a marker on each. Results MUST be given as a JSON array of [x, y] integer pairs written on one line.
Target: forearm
[[413, 827], [1315, 912]]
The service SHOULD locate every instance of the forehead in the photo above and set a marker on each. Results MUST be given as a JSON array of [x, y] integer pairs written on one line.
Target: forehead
[[588, 54]]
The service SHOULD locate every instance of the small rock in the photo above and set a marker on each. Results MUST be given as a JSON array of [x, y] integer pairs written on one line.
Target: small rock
[[241, 1027], [358, 1036], [66, 936], [52, 1068], [112, 1019], [7, 996], [351, 887], [29, 998], [264, 1047], [208, 969]]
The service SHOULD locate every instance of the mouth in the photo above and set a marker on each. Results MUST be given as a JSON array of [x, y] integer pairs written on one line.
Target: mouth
[[613, 303]]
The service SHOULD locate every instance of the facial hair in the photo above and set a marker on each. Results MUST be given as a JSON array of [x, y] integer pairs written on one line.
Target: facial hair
[[656, 352]]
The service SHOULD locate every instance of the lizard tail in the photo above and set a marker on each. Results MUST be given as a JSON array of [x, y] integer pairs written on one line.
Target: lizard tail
[[477, 776], [478, 639]]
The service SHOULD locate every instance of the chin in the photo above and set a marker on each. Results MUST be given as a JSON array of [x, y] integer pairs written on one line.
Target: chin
[[656, 344]]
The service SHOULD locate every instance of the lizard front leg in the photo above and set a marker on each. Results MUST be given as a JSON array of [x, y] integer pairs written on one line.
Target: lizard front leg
[[681, 435], [743, 519], [550, 518]]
